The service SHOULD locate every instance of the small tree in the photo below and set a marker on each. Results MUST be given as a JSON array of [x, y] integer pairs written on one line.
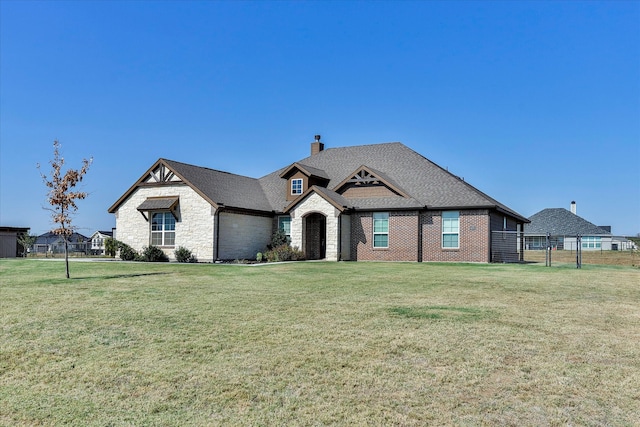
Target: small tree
[[62, 197], [110, 246], [26, 241]]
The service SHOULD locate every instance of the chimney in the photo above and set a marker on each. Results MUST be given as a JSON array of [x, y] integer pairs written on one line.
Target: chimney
[[316, 146], [573, 208]]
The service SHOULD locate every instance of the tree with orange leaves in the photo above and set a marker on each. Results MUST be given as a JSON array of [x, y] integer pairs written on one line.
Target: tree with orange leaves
[[62, 197]]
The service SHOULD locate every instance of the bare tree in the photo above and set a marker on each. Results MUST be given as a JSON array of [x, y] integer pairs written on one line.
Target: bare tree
[[62, 197]]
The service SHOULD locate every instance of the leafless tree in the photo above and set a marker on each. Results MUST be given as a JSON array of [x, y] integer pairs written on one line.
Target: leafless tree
[[62, 196]]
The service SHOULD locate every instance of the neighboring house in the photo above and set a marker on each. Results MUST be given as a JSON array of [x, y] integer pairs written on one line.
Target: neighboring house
[[97, 241], [370, 202], [9, 245], [564, 227], [53, 243]]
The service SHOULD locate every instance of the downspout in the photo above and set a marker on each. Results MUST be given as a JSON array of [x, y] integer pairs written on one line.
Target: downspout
[[339, 237], [216, 217]]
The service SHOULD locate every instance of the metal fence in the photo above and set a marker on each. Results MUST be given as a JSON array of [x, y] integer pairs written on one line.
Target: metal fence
[[513, 246]]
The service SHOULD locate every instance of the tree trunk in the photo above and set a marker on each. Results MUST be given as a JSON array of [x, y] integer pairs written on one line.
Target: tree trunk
[[66, 255]]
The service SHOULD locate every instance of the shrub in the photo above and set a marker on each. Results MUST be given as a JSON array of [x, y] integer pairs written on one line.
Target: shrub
[[127, 253], [278, 238], [284, 252], [259, 257], [184, 255], [153, 254]]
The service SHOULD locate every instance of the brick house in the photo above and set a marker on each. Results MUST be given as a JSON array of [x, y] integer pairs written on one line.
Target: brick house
[[380, 202]]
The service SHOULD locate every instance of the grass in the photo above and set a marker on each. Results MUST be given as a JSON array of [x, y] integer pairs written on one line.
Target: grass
[[318, 344], [629, 258]]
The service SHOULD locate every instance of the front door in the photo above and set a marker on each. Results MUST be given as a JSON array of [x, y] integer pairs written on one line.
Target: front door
[[315, 236]]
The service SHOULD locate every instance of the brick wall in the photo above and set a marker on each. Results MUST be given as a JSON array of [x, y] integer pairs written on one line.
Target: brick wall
[[403, 237], [473, 240]]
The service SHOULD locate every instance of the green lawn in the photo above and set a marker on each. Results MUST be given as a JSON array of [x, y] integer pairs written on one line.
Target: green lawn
[[124, 344]]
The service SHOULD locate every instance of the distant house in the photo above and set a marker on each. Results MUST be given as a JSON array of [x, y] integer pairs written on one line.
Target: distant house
[[564, 227], [381, 202], [53, 243], [97, 241], [9, 245]]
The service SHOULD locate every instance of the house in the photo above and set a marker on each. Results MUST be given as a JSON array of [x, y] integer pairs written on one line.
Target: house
[[370, 202], [53, 243], [97, 241], [564, 227], [9, 245]]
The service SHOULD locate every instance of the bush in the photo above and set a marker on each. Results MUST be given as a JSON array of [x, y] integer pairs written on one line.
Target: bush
[[127, 253], [259, 257], [184, 255], [279, 238], [153, 254], [284, 252]]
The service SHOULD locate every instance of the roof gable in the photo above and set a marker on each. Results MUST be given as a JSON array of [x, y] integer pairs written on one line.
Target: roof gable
[[220, 189], [307, 170], [330, 196], [368, 176]]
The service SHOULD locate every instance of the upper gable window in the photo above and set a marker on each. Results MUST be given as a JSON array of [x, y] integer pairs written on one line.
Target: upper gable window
[[296, 186]]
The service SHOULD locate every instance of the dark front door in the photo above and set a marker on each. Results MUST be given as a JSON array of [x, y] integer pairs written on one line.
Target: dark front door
[[315, 236]]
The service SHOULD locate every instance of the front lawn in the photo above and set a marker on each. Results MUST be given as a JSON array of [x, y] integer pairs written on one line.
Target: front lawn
[[318, 344]]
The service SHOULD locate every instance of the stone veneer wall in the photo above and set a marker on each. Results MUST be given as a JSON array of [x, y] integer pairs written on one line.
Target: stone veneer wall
[[474, 237], [243, 236], [315, 203], [194, 228]]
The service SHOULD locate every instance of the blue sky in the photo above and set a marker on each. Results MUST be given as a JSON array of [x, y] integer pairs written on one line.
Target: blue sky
[[534, 103]]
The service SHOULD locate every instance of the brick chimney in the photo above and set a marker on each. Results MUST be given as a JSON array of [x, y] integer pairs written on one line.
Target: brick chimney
[[573, 208], [316, 146]]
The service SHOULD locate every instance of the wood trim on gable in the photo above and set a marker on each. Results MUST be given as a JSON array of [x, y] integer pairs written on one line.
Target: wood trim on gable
[[164, 175], [366, 176]]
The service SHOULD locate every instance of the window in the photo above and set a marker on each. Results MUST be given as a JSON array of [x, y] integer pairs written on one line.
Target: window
[[591, 242], [296, 186], [163, 229], [284, 224], [450, 229], [380, 229]]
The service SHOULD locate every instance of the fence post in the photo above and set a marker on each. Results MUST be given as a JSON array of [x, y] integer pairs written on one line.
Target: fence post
[[578, 251], [547, 258]]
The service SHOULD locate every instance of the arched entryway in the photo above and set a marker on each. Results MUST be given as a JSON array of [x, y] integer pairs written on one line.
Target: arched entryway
[[315, 236]]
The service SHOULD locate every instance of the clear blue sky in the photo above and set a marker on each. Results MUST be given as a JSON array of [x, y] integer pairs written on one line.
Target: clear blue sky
[[534, 103]]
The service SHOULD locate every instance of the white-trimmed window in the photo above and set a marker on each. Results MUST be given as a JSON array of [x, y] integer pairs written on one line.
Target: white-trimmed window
[[380, 229], [451, 229], [163, 229], [284, 224], [591, 242], [296, 186]]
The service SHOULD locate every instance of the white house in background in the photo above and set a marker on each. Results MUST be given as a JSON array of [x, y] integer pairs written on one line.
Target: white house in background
[[97, 241]]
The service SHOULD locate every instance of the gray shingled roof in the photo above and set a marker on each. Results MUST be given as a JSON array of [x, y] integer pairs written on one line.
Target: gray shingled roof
[[425, 182], [224, 188], [561, 222]]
